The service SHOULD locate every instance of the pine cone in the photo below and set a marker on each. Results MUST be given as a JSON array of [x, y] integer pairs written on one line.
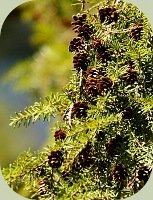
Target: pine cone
[[81, 61], [77, 44], [91, 87], [106, 83], [42, 188], [113, 145], [100, 135], [119, 173], [80, 109], [85, 156], [92, 73], [127, 113], [102, 51], [136, 32], [80, 27], [144, 174], [55, 159], [85, 31], [94, 87], [59, 135], [109, 14], [131, 76], [79, 20], [66, 175]]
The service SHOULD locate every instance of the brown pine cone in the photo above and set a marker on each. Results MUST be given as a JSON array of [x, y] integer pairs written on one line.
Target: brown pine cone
[[102, 51], [79, 20], [144, 173], [85, 156], [77, 44], [80, 109], [92, 73], [59, 135], [81, 27], [85, 31], [131, 76], [119, 173], [42, 188], [81, 61], [91, 87], [106, 83], [94, 87], [55, 159], [136, 32], [109, 14]]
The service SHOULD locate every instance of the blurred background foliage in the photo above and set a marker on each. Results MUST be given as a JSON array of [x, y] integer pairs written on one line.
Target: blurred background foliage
[[50, 65], [34, 60]]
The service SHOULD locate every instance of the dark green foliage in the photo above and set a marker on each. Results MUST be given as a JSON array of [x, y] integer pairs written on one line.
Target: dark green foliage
[[115, 145]]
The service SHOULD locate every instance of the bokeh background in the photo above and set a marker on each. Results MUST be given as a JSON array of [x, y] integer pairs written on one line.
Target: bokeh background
[[34, 61]]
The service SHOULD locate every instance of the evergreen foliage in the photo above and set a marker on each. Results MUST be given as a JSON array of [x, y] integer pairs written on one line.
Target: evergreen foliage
[[104, 141]]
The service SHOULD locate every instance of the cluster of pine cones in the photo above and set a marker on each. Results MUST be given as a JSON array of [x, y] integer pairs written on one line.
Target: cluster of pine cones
[[94, 84]]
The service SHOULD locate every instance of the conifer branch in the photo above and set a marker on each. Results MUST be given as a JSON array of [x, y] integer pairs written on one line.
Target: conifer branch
[[45, 110], [87, 133]]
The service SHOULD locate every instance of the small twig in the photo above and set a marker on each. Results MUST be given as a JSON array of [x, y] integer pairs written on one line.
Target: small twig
[[80, 84], [130, 184], [82, 2], [69, 115], [116, 2], [111, 32], [96, 5]]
